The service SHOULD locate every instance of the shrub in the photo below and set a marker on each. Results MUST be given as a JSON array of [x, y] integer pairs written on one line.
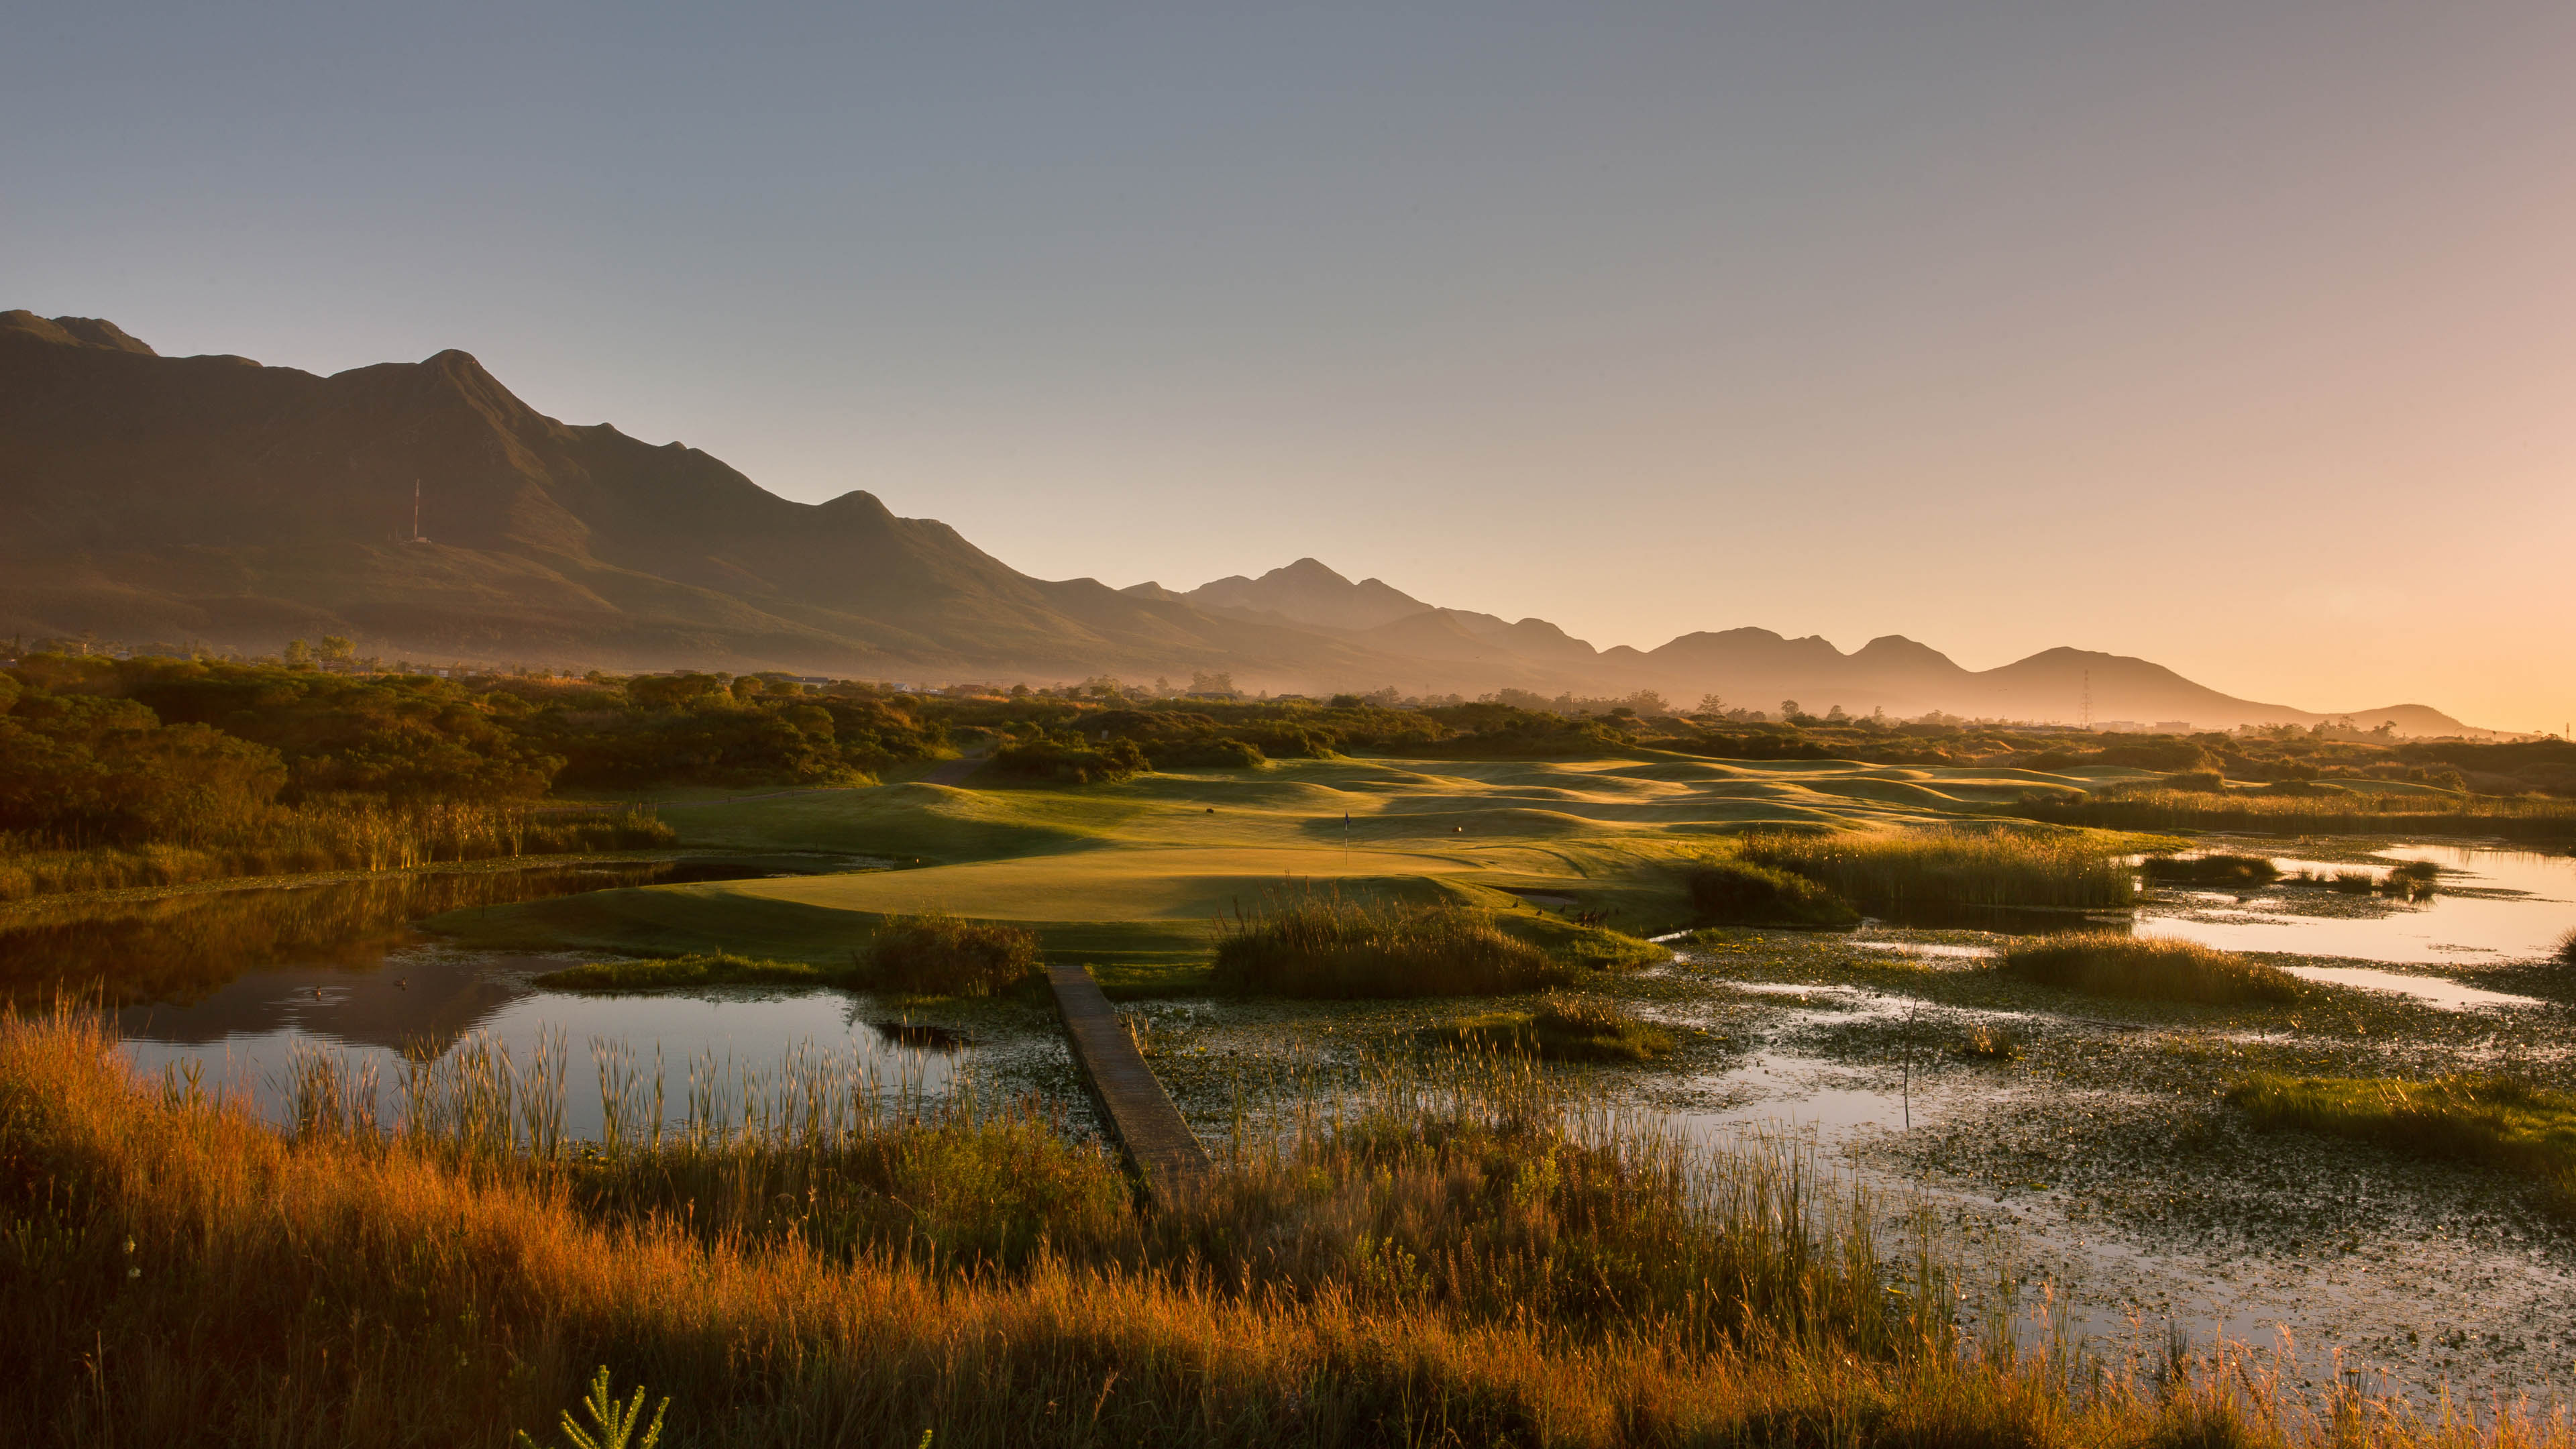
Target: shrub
[[1735, 893], [1312, 944], [1063, 763], [2207, 782], [936, 954], [2213, 870], [2147, 968]]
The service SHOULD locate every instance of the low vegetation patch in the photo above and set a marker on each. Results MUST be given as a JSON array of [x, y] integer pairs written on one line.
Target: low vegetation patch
[[2226, 871], [1563, 1028], [936, 954], [1953, 867], [1070, 762], [1738, 893], [702, 969], [2148, 969], [1992, 1042], [2478, 1118], [1316, 943]]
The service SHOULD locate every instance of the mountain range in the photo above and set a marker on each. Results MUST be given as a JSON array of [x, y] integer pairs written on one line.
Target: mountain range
[[214, 500]]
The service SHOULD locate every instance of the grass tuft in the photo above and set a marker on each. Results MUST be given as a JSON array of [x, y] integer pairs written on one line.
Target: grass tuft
[[2477, 1118], [937, 954], [1953, 867], [2213, 870], [716, 968], [1992, 1042], [1563, 1028], [1738, 893], [2147, 968], [1319, 944]]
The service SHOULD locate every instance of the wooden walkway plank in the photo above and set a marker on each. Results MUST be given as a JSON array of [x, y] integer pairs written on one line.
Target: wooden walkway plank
[[1165, 1153]]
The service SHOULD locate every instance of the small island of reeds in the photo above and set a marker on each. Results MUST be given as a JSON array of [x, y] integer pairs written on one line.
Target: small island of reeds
[[2147, 968]]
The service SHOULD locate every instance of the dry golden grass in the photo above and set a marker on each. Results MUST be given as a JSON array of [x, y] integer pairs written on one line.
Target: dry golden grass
[[173, 1272]]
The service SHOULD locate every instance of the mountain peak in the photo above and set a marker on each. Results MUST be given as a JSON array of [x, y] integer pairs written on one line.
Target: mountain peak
[[76, 331]]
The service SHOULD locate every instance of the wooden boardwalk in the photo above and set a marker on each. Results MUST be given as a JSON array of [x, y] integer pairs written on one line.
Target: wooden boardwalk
[[1160, 1145]]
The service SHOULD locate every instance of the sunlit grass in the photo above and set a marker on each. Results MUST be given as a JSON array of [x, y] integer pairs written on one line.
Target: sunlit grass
[[1953, 867], [1562, 1027], [2147, 968], [2501, 1120], [1322, 944]]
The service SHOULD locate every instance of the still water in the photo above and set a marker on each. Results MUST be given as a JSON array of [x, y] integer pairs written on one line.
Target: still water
[[2488, 906]]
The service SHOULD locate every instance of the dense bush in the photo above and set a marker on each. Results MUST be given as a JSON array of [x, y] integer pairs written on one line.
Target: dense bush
[[1070, 762]]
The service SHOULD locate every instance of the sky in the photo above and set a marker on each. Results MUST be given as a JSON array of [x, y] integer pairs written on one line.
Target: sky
[[2237, 336]]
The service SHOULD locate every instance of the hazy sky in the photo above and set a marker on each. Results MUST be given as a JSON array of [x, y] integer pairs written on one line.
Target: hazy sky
[[2238, 336]]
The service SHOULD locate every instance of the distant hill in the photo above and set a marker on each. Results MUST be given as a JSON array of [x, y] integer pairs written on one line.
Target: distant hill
[[211, 499]]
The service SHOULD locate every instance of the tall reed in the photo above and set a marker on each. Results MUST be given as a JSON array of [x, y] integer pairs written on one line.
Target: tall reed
[[1952, 867]]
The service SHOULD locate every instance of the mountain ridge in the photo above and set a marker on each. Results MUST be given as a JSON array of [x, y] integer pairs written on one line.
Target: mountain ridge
[[211, 497]]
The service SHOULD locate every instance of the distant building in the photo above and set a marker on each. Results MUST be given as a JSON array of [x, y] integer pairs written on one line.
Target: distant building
[[2173, 726]]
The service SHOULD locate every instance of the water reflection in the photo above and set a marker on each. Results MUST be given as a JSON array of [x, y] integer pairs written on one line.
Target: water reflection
[[180, 947], [2488, 905]]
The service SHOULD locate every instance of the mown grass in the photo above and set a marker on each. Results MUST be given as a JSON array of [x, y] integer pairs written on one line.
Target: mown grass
[[341, 836], [1452, 1256], [1562, 1027], [937, 954], [1320, 944], [2147, 968], [1952, 867], [697, 969], [2472, 1117], [1738, 893]]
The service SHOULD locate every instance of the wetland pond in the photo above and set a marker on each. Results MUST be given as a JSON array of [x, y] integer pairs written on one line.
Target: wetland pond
[[2092, 1151]]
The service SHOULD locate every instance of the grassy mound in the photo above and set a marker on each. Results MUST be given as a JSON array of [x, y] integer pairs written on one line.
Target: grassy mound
[[2213, 870], [1953, 868], [1319, 944], [2475, 1118], [1563, 1028], [2148, 969], [936, 954], [717, 968], [1735, 893]]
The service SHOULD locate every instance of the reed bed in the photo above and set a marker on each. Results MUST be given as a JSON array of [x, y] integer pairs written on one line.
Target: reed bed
[[937, 954], [2471, 1117], [334, 836], [2540, 817], [1446, 1254], [2148, 968], [1562, 1027], [1740, 893], [2214, 869], [1320, 944], [1952, 867]]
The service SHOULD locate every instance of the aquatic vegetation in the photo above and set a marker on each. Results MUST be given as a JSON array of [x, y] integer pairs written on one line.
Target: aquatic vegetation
[[937, 954], [1562, 1027], [699, 969], [2147, 968], [1311, 943], [1738, 893], [2212, 870], [1992, 1042], [2566, 955], [2474, 1117], [2355, 813], [1953, 867]]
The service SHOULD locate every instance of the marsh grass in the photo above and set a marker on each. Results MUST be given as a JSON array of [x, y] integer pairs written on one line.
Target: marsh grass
[[2471, 1117], [1992, 1042], [355, 834], [1739, 893], [2147, 968], [1952, 867], [1449, 1252], [2566, 954], [2218, 870], [717, 968], [1318, 943], [937, 954], [2358, 813], [1563, 1027]]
